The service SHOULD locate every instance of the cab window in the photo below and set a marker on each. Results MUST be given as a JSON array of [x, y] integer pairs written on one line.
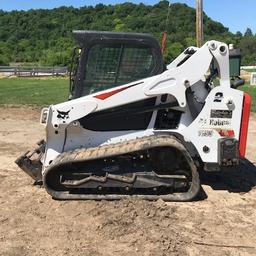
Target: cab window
[[111, 65]]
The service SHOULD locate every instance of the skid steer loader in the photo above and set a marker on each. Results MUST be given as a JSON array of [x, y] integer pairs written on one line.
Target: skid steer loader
[[134, 127]]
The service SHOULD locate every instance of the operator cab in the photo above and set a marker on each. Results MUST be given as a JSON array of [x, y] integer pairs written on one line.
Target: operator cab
[[105, 60]]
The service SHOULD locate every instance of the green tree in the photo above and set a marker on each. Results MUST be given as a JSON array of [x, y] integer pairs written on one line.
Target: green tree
[[172, 51], [239, 34], [45, 36], [248, 32]]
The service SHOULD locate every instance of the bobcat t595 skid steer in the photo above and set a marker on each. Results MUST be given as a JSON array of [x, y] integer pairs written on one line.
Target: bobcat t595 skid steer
[[133, 127]]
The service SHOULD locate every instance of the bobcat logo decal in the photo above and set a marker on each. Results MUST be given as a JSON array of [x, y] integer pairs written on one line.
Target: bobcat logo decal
[[63, 114]]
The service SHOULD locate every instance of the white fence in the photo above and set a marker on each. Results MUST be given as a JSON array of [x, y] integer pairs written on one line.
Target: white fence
[[248, 67], [32, 71]]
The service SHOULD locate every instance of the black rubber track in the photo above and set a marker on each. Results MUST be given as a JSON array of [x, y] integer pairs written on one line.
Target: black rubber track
[[87, 154]]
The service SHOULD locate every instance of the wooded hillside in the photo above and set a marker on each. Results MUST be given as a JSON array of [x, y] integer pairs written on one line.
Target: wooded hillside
[[45, 36]]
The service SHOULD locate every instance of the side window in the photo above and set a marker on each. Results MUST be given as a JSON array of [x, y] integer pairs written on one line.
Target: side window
[[110, 65]]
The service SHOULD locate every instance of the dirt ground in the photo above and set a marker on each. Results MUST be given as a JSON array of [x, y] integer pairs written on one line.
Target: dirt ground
[[221, 222]]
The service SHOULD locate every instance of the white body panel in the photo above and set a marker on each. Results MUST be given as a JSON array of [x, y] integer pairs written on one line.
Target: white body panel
[[63, 131]]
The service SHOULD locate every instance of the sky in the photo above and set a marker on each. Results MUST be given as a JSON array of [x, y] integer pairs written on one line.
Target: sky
[[237, 15]]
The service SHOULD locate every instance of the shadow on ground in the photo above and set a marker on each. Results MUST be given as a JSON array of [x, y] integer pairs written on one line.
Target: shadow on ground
[[237, 179]]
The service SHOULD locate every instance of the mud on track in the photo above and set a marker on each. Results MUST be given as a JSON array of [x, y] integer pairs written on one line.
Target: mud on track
[[222, 222]]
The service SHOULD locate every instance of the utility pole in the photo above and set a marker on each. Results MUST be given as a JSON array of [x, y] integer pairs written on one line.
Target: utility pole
[[199, 23]]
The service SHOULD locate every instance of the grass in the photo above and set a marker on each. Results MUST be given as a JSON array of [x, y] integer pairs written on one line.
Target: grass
[[33, 91], [251, 90]]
